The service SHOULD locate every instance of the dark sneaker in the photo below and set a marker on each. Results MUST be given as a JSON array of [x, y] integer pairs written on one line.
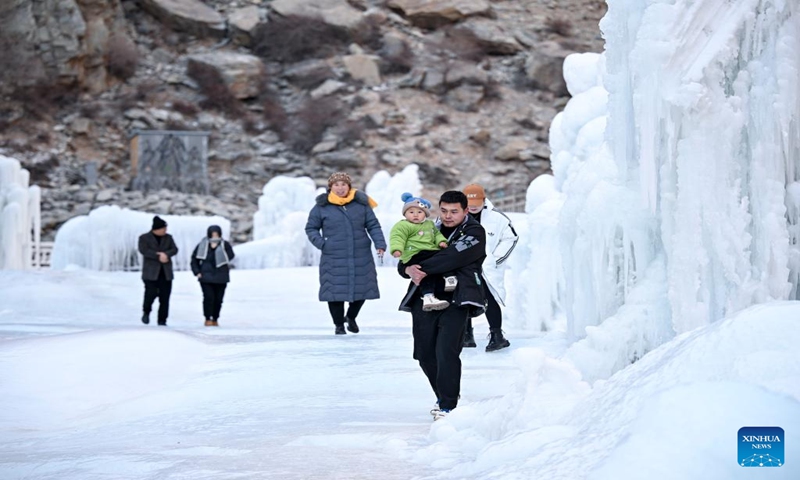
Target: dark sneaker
[[352, 326], [163, 324], [340, 330], [145, 318], [469, 338], [496, 340]]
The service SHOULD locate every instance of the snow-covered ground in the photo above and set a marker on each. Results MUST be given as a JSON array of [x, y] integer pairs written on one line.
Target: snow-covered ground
[[89, 392]]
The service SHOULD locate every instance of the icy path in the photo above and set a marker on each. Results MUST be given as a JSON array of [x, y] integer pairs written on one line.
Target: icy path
[[89, 392]]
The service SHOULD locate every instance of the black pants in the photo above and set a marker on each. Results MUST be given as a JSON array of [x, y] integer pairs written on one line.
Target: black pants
[[493, 313], [161, 288], [438, 339], [337, 311], [213, 293]]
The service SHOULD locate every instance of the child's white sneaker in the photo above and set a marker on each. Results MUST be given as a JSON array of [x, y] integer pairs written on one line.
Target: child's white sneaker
[[450, 283], [430, 302]]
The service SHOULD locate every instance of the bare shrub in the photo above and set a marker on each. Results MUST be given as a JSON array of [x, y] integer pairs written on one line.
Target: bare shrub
[[492, 91], [441, 119], [41, 101], [90, 110], [310, 122], [185, 108], [173, 124], [292, 39], [559, 25], [352, 131], [250, 125], [368, 33], [397, 57], [217, 94], [123, 58], [274, 113]]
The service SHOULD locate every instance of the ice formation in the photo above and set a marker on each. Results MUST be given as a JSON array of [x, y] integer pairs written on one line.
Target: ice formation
[[675, 194], [107, 238], [20, 216], [279, 238]]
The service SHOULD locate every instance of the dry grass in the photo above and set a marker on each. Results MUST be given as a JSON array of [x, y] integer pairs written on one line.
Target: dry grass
[[123, 58]]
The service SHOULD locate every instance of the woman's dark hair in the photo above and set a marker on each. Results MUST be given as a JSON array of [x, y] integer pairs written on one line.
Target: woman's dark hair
[[454, 196]]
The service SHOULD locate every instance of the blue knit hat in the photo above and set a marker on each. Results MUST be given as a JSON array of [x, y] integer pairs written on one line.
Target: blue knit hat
[[410, 201]]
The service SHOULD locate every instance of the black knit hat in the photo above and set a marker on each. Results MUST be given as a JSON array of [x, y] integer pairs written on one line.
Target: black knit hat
[[158, 223], [212, 229]]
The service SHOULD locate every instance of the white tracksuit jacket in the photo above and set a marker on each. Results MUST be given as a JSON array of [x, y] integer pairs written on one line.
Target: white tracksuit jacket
[[501, 238]]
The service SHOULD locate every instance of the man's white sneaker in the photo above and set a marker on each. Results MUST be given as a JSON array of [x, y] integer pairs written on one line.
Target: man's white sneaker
[[450, 283], [430, 302], [441, 414], [435, 409]]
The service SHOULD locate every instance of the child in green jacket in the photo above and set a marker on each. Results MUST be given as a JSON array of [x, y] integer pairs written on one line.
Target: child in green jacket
[[415, 239]]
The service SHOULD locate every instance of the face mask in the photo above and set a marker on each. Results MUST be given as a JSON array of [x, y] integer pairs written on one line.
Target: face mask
[[215, 240]]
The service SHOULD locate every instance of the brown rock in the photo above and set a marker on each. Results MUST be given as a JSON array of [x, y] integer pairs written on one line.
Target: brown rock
[[511, 150], [309, 74], [464, 72], [433, 81], [242, 73], [433, 13], [544, 68], [242, 23], [333, 12], [192, 16], [465, 98], [492, 36], [481, 137], [364, 68]]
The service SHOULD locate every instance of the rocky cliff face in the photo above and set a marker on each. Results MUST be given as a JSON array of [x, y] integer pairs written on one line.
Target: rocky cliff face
[[58, 41], [465, 88]]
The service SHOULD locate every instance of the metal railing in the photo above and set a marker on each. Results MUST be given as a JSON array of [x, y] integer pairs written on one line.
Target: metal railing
[[41, 256], [513, 201]]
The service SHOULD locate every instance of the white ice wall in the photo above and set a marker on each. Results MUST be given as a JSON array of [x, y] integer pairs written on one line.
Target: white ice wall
[[675, 170], [107, 238], [20, 216], [279, 238], [705, 125]]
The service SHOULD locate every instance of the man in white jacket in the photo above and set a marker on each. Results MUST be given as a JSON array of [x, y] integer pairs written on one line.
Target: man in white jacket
[[501, 238]]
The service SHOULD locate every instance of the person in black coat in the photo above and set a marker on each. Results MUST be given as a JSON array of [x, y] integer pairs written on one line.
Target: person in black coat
[[211, 265], [439, 335], [157, 248]]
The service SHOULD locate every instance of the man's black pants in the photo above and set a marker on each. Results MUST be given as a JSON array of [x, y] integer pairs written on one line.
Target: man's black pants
[[438, 339], [213, 293], [161, 289], [493, 313]]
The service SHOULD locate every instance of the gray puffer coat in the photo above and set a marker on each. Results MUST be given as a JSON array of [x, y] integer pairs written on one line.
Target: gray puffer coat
[[346, 269]]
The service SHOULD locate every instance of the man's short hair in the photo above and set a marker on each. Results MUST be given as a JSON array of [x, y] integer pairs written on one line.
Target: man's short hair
[[454, 196]]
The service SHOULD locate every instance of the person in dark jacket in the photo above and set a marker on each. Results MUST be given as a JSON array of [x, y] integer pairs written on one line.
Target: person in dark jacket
[[341, 225], [438, 335], [210, 264], [157, 248]]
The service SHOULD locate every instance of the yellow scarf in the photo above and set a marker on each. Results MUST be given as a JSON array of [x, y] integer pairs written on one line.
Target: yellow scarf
[[337, 200]]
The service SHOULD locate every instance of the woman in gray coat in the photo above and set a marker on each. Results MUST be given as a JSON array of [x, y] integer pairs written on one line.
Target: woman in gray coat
[[341, 224]]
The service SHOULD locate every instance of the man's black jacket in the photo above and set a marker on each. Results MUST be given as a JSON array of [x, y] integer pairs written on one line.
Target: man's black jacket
[[463, 258]]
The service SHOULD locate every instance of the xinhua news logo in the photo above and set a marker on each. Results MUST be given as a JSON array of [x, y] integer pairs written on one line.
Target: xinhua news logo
[[761, 447]]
